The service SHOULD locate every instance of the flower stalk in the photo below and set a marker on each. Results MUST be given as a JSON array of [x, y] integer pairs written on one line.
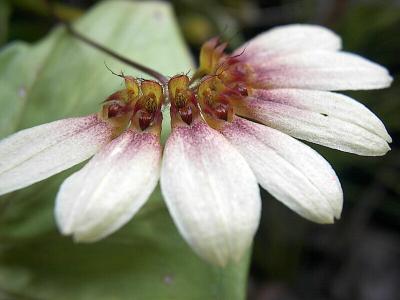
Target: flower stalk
[[153, 73]]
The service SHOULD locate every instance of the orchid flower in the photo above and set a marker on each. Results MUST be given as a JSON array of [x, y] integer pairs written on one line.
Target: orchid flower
[[235, 125]]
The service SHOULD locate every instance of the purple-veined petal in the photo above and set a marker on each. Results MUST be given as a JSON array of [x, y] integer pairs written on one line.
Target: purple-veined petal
[[210, 192], [106, 193], [291, 38], [37, 153], [291, 171], [319, 70], [324, 118]]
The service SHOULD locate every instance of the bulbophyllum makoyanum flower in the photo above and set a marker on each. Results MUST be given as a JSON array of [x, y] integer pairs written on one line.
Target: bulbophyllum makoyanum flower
[[235, 125]]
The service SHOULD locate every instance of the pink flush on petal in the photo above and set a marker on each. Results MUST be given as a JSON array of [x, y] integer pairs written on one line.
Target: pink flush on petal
[[111, 188], [37, 153]]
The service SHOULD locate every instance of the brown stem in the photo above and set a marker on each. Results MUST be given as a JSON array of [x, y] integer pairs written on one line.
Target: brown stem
[[163, 80]]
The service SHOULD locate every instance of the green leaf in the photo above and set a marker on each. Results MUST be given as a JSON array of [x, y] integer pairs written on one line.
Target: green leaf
[[62, 77]]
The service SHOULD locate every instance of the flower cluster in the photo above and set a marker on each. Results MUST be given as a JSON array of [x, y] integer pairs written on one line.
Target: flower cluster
[[234, 124]]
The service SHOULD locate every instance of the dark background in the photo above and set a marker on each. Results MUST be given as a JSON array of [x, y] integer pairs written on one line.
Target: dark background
[[359, 256]]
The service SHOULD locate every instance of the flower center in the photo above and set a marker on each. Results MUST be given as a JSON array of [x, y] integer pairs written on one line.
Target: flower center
[[220, 95], [139, 105], [215, 93], [225, 82], [183, 100], [147, 111]]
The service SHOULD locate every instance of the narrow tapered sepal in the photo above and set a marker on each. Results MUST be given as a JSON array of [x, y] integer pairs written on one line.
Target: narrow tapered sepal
[[37, 153], [99, 199], [211, 193], [291, 171]]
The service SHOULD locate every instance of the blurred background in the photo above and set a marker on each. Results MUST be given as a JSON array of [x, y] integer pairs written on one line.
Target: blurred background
[[293, 259]]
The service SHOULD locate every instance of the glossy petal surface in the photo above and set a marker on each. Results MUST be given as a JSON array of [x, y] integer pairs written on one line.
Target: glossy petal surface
[[37, 153], [292, 172], [325, 118], [211, 193], [111, 188]]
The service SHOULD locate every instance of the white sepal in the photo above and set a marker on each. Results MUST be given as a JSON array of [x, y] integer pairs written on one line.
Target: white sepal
[[37, 153], [318, 70], [292, 172], [103, 196], [324, 118], [210, 192], [292, 38]]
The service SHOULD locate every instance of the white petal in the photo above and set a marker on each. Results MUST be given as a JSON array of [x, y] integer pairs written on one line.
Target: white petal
[[211, 193], [325, 118], [103, 196], [37, 153], [292, 172], [320, 70], [292, 38]]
